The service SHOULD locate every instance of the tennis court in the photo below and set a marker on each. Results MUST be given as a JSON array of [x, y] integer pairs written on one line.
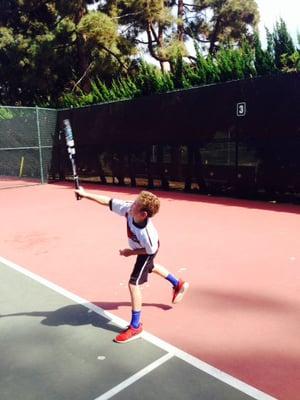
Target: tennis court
[[64, 297]]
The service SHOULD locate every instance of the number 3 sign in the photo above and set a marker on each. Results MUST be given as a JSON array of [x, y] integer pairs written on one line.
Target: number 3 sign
[[241, 109]]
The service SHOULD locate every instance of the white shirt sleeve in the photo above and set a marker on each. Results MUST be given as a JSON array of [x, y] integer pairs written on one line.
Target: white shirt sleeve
[[120, 207]]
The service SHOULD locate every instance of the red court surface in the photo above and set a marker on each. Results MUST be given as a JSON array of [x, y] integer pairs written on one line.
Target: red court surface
[[241, 258]]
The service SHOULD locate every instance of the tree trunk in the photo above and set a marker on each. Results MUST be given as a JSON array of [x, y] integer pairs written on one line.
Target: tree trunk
[[151, 34], [214, 36], [180, 14], [83, 62]]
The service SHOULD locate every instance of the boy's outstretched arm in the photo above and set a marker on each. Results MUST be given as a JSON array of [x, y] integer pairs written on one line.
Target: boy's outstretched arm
[[104, 200]]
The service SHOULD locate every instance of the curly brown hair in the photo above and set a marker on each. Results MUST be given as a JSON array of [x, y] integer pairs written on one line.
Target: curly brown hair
[[149, 203]]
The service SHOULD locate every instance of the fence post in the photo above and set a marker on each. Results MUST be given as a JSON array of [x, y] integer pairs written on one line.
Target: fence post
[[40, 144]]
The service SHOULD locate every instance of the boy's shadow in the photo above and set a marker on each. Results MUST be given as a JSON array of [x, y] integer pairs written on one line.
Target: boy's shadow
[[78, 314], [109, 305]]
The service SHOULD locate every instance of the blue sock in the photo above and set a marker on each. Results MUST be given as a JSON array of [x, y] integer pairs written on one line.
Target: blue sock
[[172, 279], [135, 319]]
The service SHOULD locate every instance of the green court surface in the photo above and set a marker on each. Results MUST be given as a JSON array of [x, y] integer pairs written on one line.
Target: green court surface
[[55, 348]]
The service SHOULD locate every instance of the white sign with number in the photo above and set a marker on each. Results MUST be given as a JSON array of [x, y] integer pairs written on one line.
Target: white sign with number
[[241, 109]]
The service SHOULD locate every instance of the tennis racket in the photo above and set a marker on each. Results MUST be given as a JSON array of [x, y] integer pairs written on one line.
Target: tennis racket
[[71, 150]]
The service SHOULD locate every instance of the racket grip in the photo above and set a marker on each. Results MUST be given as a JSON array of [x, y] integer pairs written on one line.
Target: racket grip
[[76, 182], [78, 197]]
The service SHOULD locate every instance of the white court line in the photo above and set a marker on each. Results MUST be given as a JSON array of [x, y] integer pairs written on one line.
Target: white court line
[[135, 377], [174, 351]]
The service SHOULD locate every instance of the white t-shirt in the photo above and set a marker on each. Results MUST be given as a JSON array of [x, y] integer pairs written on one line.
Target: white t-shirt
[[138, 237]]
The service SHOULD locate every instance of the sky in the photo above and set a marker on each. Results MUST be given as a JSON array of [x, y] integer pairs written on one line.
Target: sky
[[270, 12]]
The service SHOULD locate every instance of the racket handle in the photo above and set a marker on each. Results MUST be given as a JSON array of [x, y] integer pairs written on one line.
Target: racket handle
[[76, 182]]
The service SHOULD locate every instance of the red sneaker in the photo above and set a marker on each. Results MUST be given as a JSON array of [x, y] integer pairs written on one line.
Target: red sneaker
[[179, 291], [129, 334]]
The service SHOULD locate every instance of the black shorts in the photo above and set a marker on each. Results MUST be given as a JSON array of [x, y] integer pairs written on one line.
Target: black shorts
[[143, 266]]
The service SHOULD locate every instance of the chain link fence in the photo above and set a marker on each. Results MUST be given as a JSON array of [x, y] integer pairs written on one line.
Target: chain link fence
[[26, 145]]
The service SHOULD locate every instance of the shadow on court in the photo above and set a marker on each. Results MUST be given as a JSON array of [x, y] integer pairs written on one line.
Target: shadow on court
[[73, 315], [78, 314], [107, 305]]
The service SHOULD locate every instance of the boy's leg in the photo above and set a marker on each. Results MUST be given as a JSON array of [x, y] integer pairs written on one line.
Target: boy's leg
[[180, 287], [138, 277], [164, 273], [135, 328], [136, 305], [136, 296], [160, 270]]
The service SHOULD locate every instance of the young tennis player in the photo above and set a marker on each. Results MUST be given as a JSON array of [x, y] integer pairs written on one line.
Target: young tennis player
[[143, 243]]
